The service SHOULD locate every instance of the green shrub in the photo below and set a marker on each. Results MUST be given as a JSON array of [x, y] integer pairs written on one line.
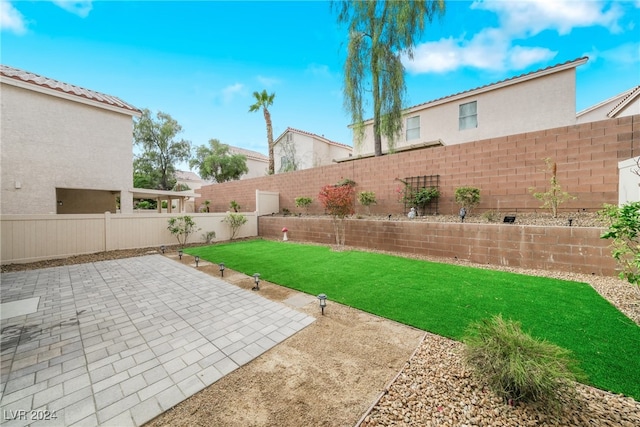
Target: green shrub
[[624, 230], [467, 197], [366, 199], [182, 227], [423, 196], [235, 221], [491, 216], [303, 202], [554, 196], [518, 367], [209, 236], [234, 205]]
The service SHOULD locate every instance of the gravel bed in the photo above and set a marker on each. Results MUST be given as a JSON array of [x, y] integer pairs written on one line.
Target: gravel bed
[[435, 389]]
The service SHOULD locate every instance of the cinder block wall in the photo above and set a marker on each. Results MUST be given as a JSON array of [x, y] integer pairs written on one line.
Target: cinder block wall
[[503, 168], [568, 249]]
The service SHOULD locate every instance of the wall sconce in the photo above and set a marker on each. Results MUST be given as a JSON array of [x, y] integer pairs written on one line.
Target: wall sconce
[[59, 202], [197, 258], [222, 269], [180, 254], [323, 302], [256, 278], [163, 248]]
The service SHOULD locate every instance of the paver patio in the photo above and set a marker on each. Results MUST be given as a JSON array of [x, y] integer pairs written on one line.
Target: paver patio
[[119, 342]]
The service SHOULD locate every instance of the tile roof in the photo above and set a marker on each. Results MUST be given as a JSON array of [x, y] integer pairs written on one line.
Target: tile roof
[[630, 95], [302, 132], [249, 153], [45, 82]]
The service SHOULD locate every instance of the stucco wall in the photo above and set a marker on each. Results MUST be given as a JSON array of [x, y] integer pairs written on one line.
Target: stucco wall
[[541, 103], [49, 143], [572, 249], [502, 168]]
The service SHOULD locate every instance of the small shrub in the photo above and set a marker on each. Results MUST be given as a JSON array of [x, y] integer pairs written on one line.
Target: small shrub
[[554, 196], [235, 221], [491, 216], [366, 199], [467, 197], [624, 230], [286, 212], [518, 367], [423, 196], [234, 205], [346, 181], [209, 236], [182, 227], [338, 202], [304, 202]]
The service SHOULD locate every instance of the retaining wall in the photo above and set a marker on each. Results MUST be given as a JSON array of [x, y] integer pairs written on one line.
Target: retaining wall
[[568, 249]]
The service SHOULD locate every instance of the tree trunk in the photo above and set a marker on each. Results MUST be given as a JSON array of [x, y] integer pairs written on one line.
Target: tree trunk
[[267, 119]]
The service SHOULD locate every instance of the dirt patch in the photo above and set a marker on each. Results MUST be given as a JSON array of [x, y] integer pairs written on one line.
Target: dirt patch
[[328, 374]]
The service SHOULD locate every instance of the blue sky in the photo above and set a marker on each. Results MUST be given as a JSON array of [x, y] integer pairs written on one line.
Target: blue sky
[[201, 61]]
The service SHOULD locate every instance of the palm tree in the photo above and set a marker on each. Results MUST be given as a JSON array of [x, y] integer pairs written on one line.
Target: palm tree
[[264, 101]]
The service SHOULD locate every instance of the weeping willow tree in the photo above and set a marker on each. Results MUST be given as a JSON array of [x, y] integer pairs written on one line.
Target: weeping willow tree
[[380, 32]]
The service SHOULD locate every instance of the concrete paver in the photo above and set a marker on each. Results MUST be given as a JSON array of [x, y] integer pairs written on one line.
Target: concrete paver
[[119, 342]]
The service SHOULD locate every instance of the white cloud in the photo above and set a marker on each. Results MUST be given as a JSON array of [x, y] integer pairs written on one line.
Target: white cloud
[[11, 19], [267, 81], [493, 49], [528, 18], [490, 50], [77, 7], [230, 92], [318, 70], [625, 54]]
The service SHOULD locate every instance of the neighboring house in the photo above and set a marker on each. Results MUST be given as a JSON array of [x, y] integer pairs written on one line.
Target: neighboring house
[[194, 182], [65, 149], [622, 105], [541, 99], [257, 163], [296, 150]]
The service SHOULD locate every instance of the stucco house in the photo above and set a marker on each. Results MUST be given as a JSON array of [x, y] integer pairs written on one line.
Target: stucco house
[[257, 163], [624, 104], [296, 149], [541, 99], [65, 149]]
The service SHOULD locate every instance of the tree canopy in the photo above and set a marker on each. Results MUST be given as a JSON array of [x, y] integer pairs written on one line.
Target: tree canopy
[[155, 166], [380, 32], [264, 101], [217, 162]]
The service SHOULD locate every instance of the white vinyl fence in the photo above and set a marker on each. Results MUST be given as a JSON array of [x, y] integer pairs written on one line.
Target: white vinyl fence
[[27, 238]]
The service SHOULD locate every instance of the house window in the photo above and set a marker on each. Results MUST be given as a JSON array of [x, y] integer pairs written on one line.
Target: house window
[[468, 115], [413, 128]]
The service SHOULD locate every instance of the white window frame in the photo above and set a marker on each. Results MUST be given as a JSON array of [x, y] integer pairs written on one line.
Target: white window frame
[[468, 120], [412, 131]]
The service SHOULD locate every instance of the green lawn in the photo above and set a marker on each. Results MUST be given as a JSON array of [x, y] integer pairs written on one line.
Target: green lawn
[[444, 299]]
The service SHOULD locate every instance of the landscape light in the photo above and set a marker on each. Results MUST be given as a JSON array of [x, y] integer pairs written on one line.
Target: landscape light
[[197, 260], [323, 302], [162, 248], [180, 254], [256, 278], [222, 269], [570, 221]]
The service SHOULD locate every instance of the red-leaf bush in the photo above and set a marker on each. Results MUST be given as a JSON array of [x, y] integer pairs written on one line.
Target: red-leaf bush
[[338, 200]]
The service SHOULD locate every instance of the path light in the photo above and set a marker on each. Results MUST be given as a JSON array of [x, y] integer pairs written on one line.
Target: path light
[[162, 248], [197, 260], [256, 278], [323, 302], [222, 269], [180, 254], [570, 221]]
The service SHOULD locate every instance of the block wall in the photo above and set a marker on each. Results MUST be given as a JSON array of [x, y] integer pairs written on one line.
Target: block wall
[[504, 169], [567, 249]]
